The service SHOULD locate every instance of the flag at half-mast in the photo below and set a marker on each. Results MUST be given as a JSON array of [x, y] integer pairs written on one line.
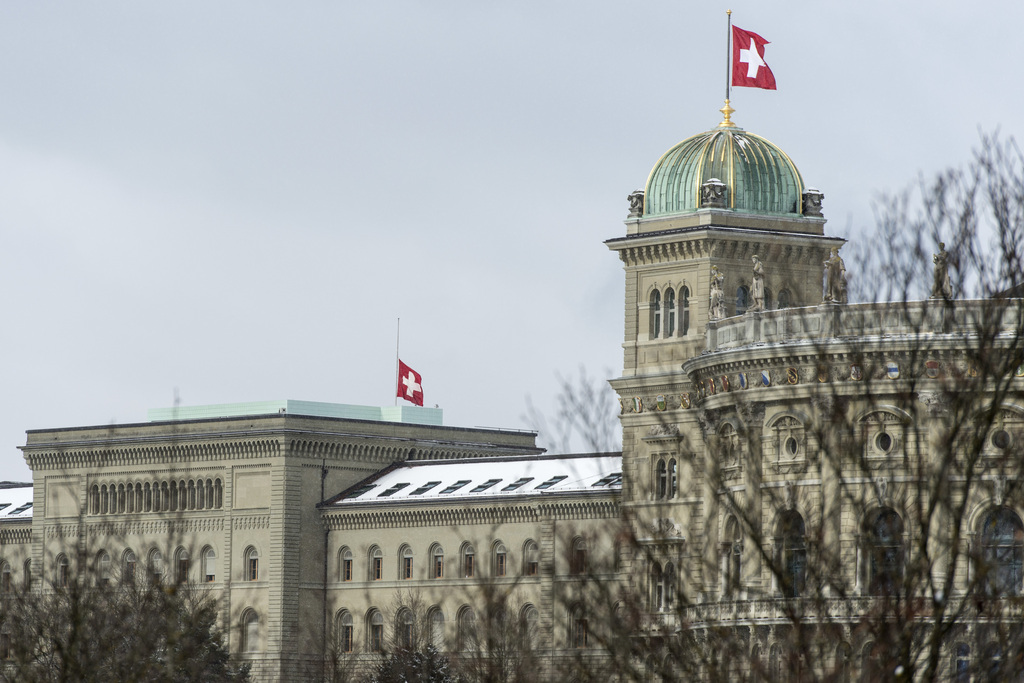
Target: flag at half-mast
[[749, 69], [410, 384]]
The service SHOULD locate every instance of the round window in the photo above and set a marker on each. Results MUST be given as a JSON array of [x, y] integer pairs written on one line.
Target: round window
[[791, 446], [884, 442], [1001, 439]]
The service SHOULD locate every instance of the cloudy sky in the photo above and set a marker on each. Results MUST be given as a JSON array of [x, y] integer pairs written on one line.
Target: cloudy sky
[[235, 201]]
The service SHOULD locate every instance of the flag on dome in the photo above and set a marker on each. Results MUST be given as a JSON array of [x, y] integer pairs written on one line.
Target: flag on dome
[[410, 384], [749, 69]]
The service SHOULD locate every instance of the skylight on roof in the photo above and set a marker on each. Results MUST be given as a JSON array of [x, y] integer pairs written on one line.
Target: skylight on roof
[[361, 490], [551, 482], [517, 483], [392, 490], [423, 489], [4, 505], [484, 486], [456, 486], [24, 507], [610, 480]]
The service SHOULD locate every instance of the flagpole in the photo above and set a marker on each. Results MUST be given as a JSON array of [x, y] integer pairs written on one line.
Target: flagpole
[[727, 110], [398, 338], [728, 52]]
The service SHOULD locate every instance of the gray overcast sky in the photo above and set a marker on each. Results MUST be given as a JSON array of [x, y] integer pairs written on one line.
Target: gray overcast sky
[[236, 200]]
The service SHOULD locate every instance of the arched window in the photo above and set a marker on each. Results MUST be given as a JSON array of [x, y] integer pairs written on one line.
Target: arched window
[[181, 566], [962, 664], [661, 475], [250, 631], [94, 499], [578, 631], [657, 588], [783, 301], [668, 577], [405, 629], [1002, 552], [104, 500], [376, 564], [103, 561], [673, 478], [742, 299], [578, 559], [251, 567], [437, 562], [531, 559], [655, 310], [468, 561], [436, 621], [156, 566], [191, 494], [732, 558], [884, 550], [776, 667], [375, 635], [209, 565], [670, 312], [467, 630], [500, 559], [528, 626], [200, 495], [128, 572], [791, 554], [147, 498], [5, 577], [218, 494], [405, 562], [345, 564], [684, 311], [122, 503], [767, 299], [343, 631]]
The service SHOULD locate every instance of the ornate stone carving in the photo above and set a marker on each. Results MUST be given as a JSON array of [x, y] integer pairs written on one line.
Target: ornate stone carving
[[663, 430], [834, 288], [789, 491], [666, 528], [713, 195], [636, 203], [757, 285], [941, 286], [752, 412], [936, 402], [813, 199], [716, 310]]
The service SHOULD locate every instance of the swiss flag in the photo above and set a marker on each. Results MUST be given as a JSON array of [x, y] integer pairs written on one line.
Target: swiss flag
[[410, 384], [748, 66]]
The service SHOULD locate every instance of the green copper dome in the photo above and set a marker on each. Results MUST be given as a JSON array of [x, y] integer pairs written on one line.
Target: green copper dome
[[758, 176]]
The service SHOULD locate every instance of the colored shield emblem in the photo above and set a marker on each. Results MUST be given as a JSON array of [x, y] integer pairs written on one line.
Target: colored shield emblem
[[638, 404], [822, 373], [711, 385], [660, 402], [931, 369], [892, 370], [725, 383], [792, 376], [622, 406], [743, 380], [856, 373], [684, 400], [766, 378]]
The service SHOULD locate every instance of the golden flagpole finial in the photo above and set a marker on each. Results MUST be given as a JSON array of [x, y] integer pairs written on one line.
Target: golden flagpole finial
[[727, 113]]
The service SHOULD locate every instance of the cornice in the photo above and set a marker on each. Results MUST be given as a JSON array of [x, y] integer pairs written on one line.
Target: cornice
[[16, 533]]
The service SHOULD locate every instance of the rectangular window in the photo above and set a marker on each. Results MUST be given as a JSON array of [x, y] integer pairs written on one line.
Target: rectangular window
[[182, 571], [406, 567], [377, 572], [439, 566], [377, 638], [252, 570], [346, 570], [129, 572], [455, 487], [551, 482], [423, 489], [517, 483], [484, 486], [346, 638], [469, 566], [499, 564], [392, 490]]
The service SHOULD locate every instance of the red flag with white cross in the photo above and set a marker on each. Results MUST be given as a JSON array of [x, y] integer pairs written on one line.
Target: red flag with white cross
[[410, 384], [748, 66]]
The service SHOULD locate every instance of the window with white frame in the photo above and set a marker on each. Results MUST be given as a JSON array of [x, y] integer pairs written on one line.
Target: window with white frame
[[209, 565], [500, 559]]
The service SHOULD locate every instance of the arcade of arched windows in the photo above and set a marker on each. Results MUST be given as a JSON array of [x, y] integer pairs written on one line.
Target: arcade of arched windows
[[157, 496], [669, 312]]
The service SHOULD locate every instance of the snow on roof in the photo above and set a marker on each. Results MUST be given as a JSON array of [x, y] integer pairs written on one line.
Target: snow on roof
[[15, 501], [444, 480]]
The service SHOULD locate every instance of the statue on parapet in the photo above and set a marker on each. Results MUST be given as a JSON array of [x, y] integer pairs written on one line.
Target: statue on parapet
[[636, 203], [941, 286], [717, 308], [757, 286], [835, 279]]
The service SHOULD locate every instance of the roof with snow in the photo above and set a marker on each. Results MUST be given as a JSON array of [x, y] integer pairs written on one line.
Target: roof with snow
[[15, 500], [449, 480]]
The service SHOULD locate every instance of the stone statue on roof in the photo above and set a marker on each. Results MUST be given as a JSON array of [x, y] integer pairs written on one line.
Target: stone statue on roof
[[757, 286], [941, 286], [835, 279], [717, 307]]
